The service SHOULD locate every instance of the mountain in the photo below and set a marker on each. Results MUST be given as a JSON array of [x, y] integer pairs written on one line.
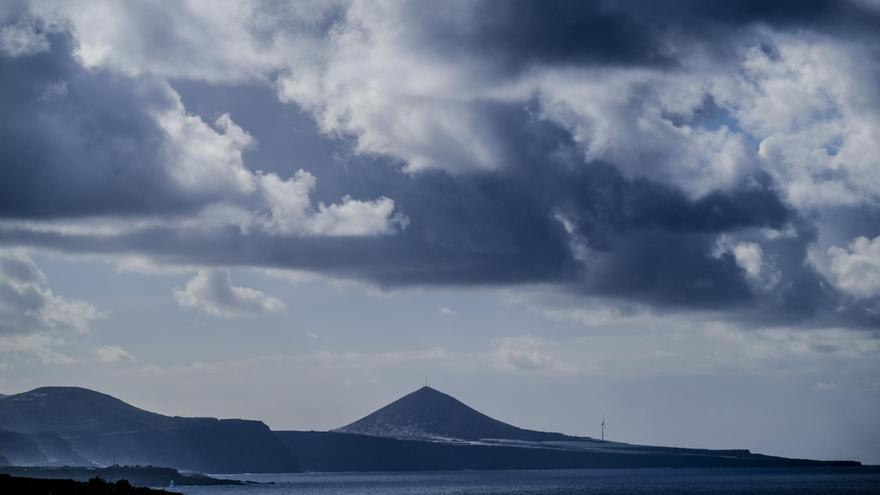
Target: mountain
[[106, 430], [429, 413], [74, 411]]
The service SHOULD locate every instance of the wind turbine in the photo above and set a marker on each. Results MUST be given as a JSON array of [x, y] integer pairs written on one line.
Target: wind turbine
[[603, 428]]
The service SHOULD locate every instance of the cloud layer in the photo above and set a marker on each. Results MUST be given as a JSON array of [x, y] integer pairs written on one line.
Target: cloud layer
[[681, 157]]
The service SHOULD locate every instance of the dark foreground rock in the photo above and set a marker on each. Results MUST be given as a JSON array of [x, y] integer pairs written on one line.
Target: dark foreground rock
[[135, 475], [95, 486]]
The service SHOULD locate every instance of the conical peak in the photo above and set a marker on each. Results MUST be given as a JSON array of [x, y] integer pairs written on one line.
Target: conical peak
[[428, 412], [427, 395], [427, 390]]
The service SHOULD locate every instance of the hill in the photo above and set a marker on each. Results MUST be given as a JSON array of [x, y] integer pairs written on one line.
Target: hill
[[106, 430], [429, 413]]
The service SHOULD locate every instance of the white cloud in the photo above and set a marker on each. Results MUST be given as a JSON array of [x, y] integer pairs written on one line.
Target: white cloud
[[27, 307], [626, 117], [857, 267], [750, 257], [761, 271], [113, 354], [288, 211], [368, 82], [811, 104], [526, 353], [205, 159], [218, 41], [22, 39], [41, 346], [212, 292], [16, 267], [353, 217]]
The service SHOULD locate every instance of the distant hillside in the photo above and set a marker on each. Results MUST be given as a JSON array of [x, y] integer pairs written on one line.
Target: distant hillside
[[428, 413], [57, 450], [331, 451], [106, 430], [72, 411], [17, 448]]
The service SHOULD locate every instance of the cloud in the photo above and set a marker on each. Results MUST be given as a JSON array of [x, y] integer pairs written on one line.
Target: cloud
[[113, 354], [42, 347], [857, 267], [760, 270], [94, 147], [526, 353], [210, 40], [22, 38], [28, 307], [602, 148], [620, 339], [212, 292]]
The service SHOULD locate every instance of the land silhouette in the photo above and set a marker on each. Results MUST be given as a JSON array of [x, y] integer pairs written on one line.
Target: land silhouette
[[424, 430]]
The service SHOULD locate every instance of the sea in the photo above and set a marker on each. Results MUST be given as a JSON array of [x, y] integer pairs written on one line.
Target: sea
[[800, 481]]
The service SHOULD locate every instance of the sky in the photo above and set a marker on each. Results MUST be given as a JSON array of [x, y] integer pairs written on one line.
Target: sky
[[663, 214]]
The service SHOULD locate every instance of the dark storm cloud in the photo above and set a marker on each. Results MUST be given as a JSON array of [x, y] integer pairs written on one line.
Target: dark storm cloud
[[79, 142], [519, 34]]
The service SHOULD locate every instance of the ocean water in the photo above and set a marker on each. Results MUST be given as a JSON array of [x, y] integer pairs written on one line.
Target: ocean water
[[563, 482]]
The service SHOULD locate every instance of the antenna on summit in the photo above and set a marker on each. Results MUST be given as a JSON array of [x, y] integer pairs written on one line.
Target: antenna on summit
[[603, 428]]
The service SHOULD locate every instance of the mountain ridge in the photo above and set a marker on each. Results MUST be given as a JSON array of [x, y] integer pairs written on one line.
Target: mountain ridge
[[424, 430]]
